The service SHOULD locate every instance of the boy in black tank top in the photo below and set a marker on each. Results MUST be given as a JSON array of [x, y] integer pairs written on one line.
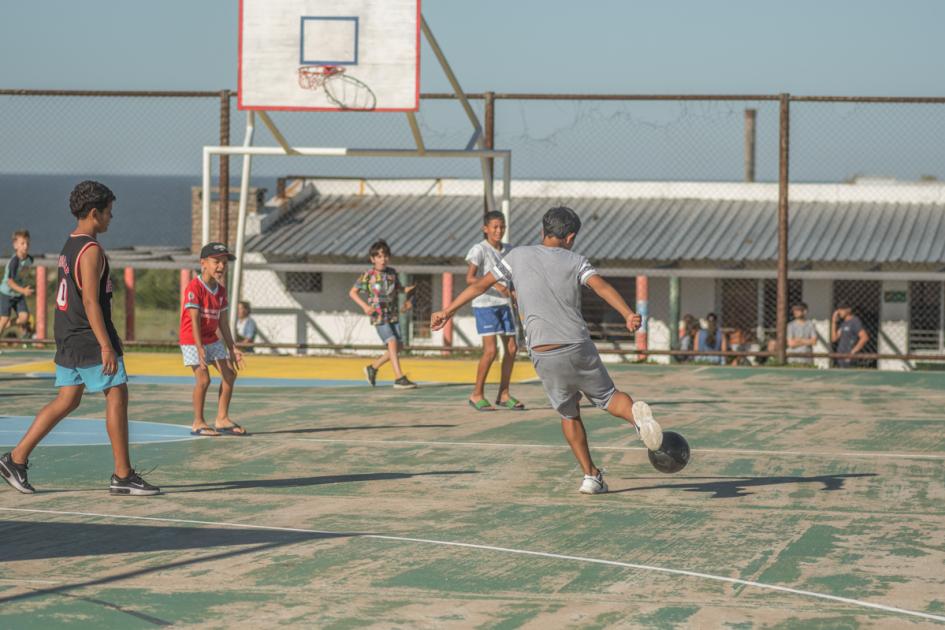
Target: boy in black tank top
[[88, 350]]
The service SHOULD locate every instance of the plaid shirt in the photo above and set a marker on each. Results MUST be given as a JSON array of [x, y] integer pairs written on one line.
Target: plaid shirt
[[381, 289]]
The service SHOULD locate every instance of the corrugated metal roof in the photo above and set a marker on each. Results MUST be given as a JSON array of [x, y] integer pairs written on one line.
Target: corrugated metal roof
[[654, 231]]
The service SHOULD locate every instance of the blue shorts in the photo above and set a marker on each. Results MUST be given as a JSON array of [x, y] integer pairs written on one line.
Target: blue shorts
[[389, 331], [15, 303], [494, 320], [91, 377]]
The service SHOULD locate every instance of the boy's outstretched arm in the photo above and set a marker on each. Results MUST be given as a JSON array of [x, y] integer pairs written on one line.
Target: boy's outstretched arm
[[480, 286], [609, 294], [355, 295]]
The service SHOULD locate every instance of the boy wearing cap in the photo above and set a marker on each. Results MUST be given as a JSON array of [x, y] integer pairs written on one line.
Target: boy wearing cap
[[202, 316], [88, 350]]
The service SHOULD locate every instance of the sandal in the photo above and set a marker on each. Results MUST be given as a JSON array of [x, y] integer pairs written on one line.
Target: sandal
[[481, 405], [512, 404], [205, 432], [233, 429]]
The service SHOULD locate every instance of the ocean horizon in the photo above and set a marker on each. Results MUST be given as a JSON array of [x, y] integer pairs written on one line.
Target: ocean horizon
[[149, 210]]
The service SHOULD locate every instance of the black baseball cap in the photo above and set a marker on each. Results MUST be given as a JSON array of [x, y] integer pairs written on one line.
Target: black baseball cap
[[215, 250]]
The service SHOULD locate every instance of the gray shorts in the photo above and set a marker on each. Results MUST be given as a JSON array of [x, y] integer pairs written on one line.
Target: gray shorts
[[571, 370]]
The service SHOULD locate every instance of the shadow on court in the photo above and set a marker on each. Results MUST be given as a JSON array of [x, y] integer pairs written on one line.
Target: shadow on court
[[731, 487], [46, 541], [366, 427], [296, 482], [28, 540]]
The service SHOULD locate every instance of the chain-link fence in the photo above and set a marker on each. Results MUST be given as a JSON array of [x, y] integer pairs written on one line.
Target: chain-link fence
[[684, 191]]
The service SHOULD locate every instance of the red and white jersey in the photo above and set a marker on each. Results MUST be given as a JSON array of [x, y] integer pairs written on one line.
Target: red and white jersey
[[210, 304]]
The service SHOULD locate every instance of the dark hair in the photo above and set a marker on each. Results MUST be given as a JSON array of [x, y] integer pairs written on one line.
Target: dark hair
[[560, 221], [21, 234], [380, 245], [88, 195], [844, 306], [802, 305], [246, 305], [490, 216]]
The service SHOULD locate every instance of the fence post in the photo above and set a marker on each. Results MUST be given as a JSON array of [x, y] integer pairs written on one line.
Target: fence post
[[225, 168], [489, 142], [751, 116], [783, 176], [130, 303], [447, 299], [643, 311], [41, 302]]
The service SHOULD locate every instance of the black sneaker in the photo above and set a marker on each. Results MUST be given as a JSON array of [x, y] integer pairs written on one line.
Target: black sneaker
[[15, 474], [404, 383], [370, 372], [133, 484]]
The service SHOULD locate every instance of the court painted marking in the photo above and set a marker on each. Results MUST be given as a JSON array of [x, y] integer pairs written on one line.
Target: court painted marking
[[508, 550], [723, 451]]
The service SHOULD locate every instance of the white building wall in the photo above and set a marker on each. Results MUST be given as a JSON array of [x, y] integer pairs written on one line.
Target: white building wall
[[894, 326], [331, 317]]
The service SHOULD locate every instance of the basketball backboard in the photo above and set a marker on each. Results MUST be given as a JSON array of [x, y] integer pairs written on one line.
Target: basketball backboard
[[329, 55]]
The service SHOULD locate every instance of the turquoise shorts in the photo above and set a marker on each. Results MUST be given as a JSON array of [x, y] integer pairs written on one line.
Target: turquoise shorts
[[91, 377]]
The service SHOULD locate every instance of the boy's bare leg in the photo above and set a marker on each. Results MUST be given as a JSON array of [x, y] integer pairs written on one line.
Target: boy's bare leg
[[226, 394], [4, 322], [66, 401], [508, 362], [489, 352], [392, 347], [201, 385], [23, 321], [116, 423], [381, 360], [621, 406], [574, 433]]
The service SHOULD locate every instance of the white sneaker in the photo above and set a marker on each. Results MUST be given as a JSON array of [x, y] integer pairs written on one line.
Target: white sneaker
[[648, 428], [594, 484]]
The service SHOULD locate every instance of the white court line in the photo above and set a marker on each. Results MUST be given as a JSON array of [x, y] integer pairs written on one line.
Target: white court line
[[521, 552], [22, 580], [736, 451]]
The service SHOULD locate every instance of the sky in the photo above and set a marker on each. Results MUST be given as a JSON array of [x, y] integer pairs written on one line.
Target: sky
[[845, 47]]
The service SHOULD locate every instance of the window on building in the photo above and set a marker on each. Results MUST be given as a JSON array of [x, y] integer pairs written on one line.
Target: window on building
[[603, 322], [422, 304], [303, 282], [757, 315], [795, 294], [925, 316]]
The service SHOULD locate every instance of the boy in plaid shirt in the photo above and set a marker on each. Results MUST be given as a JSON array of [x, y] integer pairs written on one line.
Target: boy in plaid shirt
[[381, 286]]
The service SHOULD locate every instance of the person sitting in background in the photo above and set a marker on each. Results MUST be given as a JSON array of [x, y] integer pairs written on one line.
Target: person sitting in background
[[688, 332], [739, 341], [245, 326], [711, 339]]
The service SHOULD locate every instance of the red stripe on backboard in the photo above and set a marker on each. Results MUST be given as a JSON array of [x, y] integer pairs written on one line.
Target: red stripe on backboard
[[239, 62]]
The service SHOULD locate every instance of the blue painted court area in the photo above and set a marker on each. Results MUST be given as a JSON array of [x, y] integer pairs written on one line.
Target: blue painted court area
[[91, 431]]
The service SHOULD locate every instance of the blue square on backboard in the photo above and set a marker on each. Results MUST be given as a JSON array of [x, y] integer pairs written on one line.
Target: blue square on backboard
[[328, 41]]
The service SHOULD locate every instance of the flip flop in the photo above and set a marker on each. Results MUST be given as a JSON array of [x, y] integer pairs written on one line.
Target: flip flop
[[231, 430], [205, 432], [481, 405], [512, 404]]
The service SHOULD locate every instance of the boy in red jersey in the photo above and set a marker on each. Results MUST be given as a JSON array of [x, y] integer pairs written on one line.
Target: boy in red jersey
[[201, 317]]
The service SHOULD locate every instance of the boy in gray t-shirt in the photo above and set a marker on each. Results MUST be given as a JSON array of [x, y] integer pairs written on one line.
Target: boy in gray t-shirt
[[548, 280], [801, 335]]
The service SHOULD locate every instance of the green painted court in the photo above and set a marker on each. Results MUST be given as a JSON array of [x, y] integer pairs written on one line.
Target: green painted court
[[813, 499]]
